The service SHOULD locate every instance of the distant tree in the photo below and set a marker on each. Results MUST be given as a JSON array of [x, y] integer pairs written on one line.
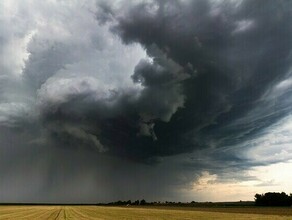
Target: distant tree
[[258, 199], [136, 202], [143, 202], [119, 202], [273, 199], [129, 202]]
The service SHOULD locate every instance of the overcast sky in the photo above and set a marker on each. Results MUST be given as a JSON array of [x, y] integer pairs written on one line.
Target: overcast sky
[[158, 99]]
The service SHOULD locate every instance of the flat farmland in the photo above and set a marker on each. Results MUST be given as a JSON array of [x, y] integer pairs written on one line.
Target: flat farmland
[[149, 213]]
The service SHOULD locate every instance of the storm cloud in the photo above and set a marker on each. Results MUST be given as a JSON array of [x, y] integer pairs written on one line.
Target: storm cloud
[[175, 87]]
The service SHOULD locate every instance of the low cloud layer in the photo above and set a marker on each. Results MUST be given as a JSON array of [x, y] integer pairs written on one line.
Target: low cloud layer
[[174, 87]]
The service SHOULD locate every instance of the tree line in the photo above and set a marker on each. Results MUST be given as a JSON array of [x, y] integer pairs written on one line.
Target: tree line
[[266, 199], [129, 202], [273, 199]]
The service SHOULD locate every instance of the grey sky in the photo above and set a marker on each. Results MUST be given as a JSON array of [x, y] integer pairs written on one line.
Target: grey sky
[[113, 99]]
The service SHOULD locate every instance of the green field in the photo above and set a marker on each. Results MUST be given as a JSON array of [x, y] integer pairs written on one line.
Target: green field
[[149, 213]]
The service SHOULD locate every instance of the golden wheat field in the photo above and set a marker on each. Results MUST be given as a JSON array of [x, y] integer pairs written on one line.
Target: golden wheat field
[[131, 213]]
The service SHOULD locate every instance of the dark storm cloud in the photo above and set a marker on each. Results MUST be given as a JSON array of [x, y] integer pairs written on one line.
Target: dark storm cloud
[[89, 108], [210, 65], [224, 57]]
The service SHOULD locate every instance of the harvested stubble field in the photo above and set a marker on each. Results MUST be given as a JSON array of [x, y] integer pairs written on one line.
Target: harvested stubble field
[[131, 213]]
